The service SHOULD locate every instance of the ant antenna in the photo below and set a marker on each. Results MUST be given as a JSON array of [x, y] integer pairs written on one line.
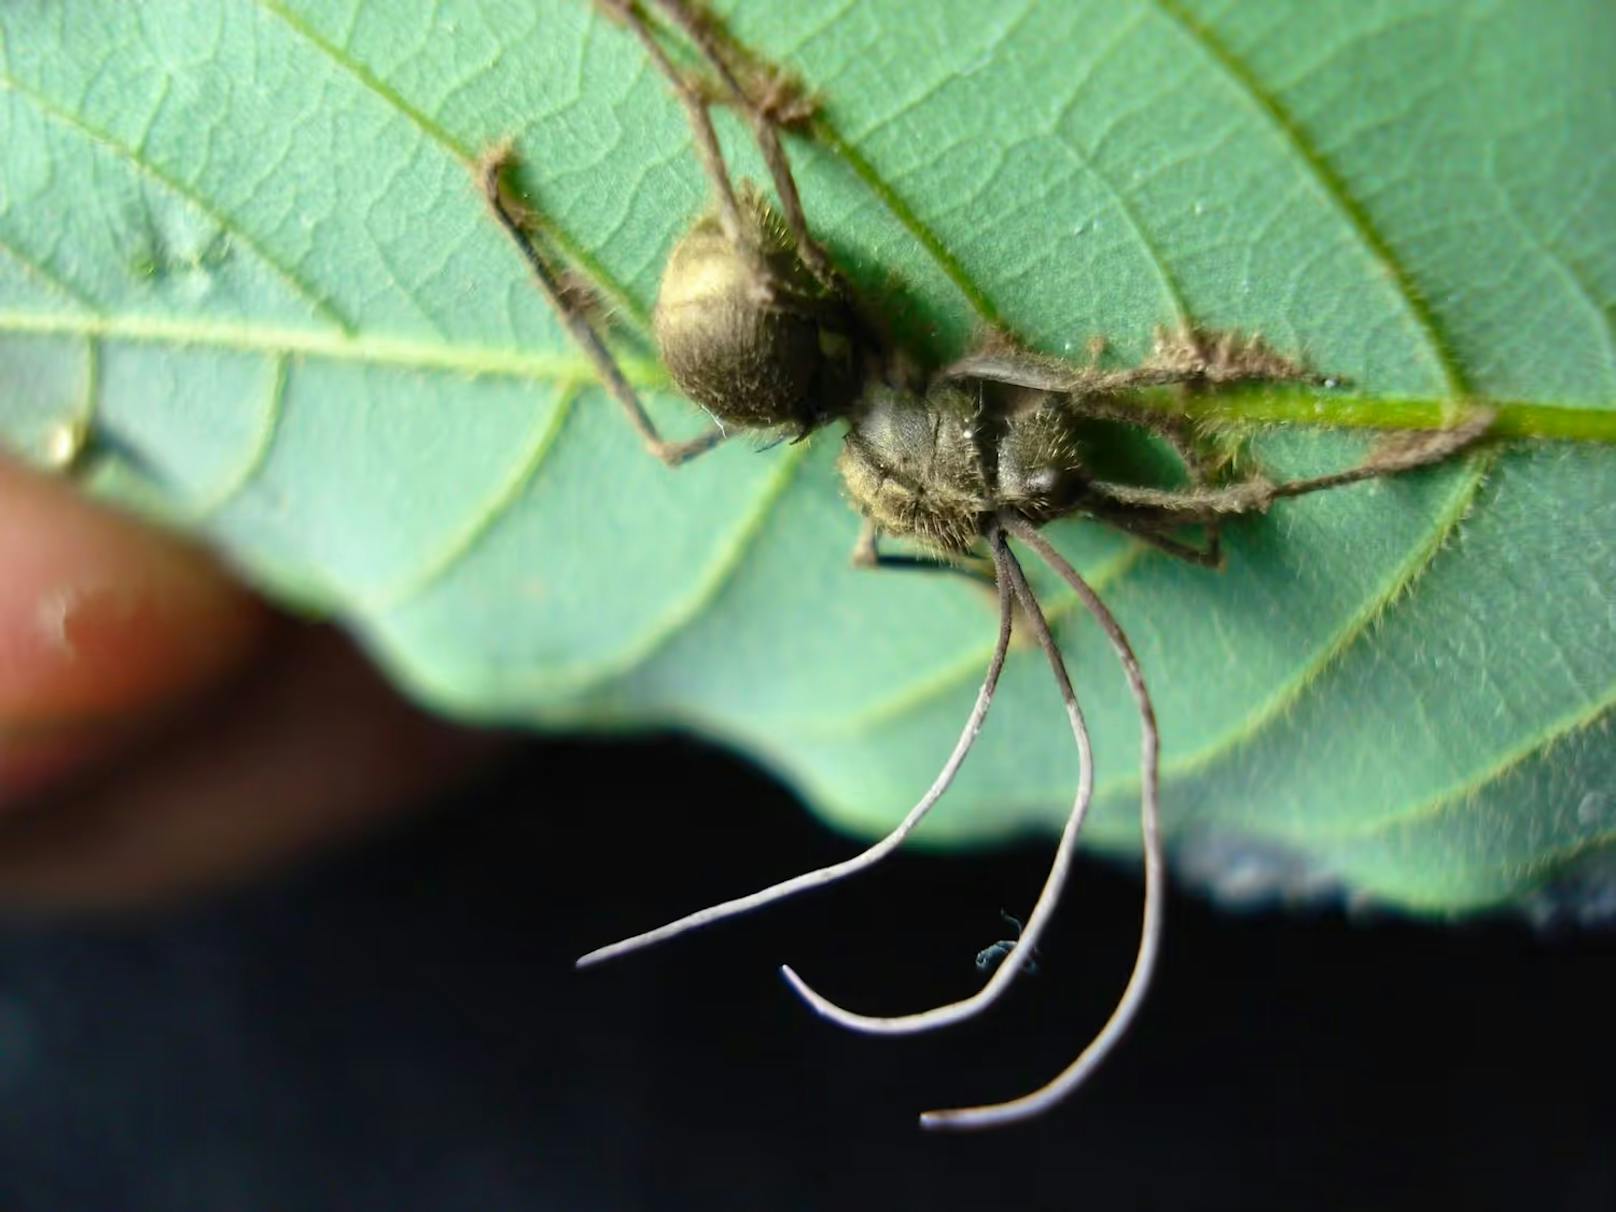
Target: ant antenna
[[1002, 560], [1054, 883], [1150, 933]]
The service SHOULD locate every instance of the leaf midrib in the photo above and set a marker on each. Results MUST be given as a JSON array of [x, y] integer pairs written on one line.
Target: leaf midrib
[[273, 340]]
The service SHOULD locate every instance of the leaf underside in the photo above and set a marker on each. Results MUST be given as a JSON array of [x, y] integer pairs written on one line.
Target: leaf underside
[[239, 241]]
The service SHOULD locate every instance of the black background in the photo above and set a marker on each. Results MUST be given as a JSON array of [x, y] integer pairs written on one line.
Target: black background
[[398, 1028]]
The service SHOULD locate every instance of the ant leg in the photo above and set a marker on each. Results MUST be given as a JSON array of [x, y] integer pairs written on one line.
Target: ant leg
[[1100, 394], [868, 554], [1215, 358], [1209, 556], [1150, 931], [867, 551], [491, 177], [1175, 429], [874, 854], [1188, 356], [954, 1012], [737, 232], [1392, 455], [1165, 508], [1202, 470], [763, 117], [1399, 452]]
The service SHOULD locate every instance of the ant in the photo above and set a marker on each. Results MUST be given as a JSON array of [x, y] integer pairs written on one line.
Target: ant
[[757, 326]]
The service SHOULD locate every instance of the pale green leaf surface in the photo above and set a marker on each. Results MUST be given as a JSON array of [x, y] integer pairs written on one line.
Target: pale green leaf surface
[[240, 240]]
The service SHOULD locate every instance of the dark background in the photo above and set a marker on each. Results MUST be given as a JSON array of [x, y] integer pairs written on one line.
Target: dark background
[[398, 1028]]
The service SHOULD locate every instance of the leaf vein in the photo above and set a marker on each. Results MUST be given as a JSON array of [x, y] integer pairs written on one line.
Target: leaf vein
[[580, 679], [335, 346], [1130, 216], [49, 277], [1453, 798], [72, 122], [889, 197], [728, 565], [1331, 185], [370, 81], [271, 411], [432, 570]]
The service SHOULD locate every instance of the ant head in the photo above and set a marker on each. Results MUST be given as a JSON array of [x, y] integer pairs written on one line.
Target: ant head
[[911, 465], [747, 332]]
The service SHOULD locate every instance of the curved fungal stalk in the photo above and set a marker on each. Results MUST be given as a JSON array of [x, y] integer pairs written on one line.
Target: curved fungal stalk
[[818, 878], [1054, 883], [1127, 1008]]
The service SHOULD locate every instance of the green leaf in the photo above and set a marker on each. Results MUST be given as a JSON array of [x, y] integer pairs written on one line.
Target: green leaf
[[240, 242]]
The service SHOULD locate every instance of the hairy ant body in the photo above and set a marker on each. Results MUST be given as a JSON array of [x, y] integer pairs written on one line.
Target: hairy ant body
[[758, 327]]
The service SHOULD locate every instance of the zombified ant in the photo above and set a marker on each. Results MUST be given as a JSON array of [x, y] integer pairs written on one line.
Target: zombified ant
[[758, 327]]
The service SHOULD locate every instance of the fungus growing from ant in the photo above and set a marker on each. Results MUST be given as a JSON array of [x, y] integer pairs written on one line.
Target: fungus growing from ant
[[757, 326]]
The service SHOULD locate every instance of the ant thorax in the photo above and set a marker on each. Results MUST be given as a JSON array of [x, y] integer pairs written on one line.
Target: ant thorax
[[748, 333], [934, 468]]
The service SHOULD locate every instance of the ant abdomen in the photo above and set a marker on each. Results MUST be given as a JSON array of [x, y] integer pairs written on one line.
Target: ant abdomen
[[748, 333]]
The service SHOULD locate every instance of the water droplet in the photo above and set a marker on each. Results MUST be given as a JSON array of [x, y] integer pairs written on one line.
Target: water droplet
[[64, 441]]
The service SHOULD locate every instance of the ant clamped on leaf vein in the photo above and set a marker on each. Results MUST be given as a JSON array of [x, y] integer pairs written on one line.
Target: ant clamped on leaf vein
[[757, 326]]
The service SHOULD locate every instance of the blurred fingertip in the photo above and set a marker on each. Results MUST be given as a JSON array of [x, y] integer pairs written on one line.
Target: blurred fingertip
[[103, 618]]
